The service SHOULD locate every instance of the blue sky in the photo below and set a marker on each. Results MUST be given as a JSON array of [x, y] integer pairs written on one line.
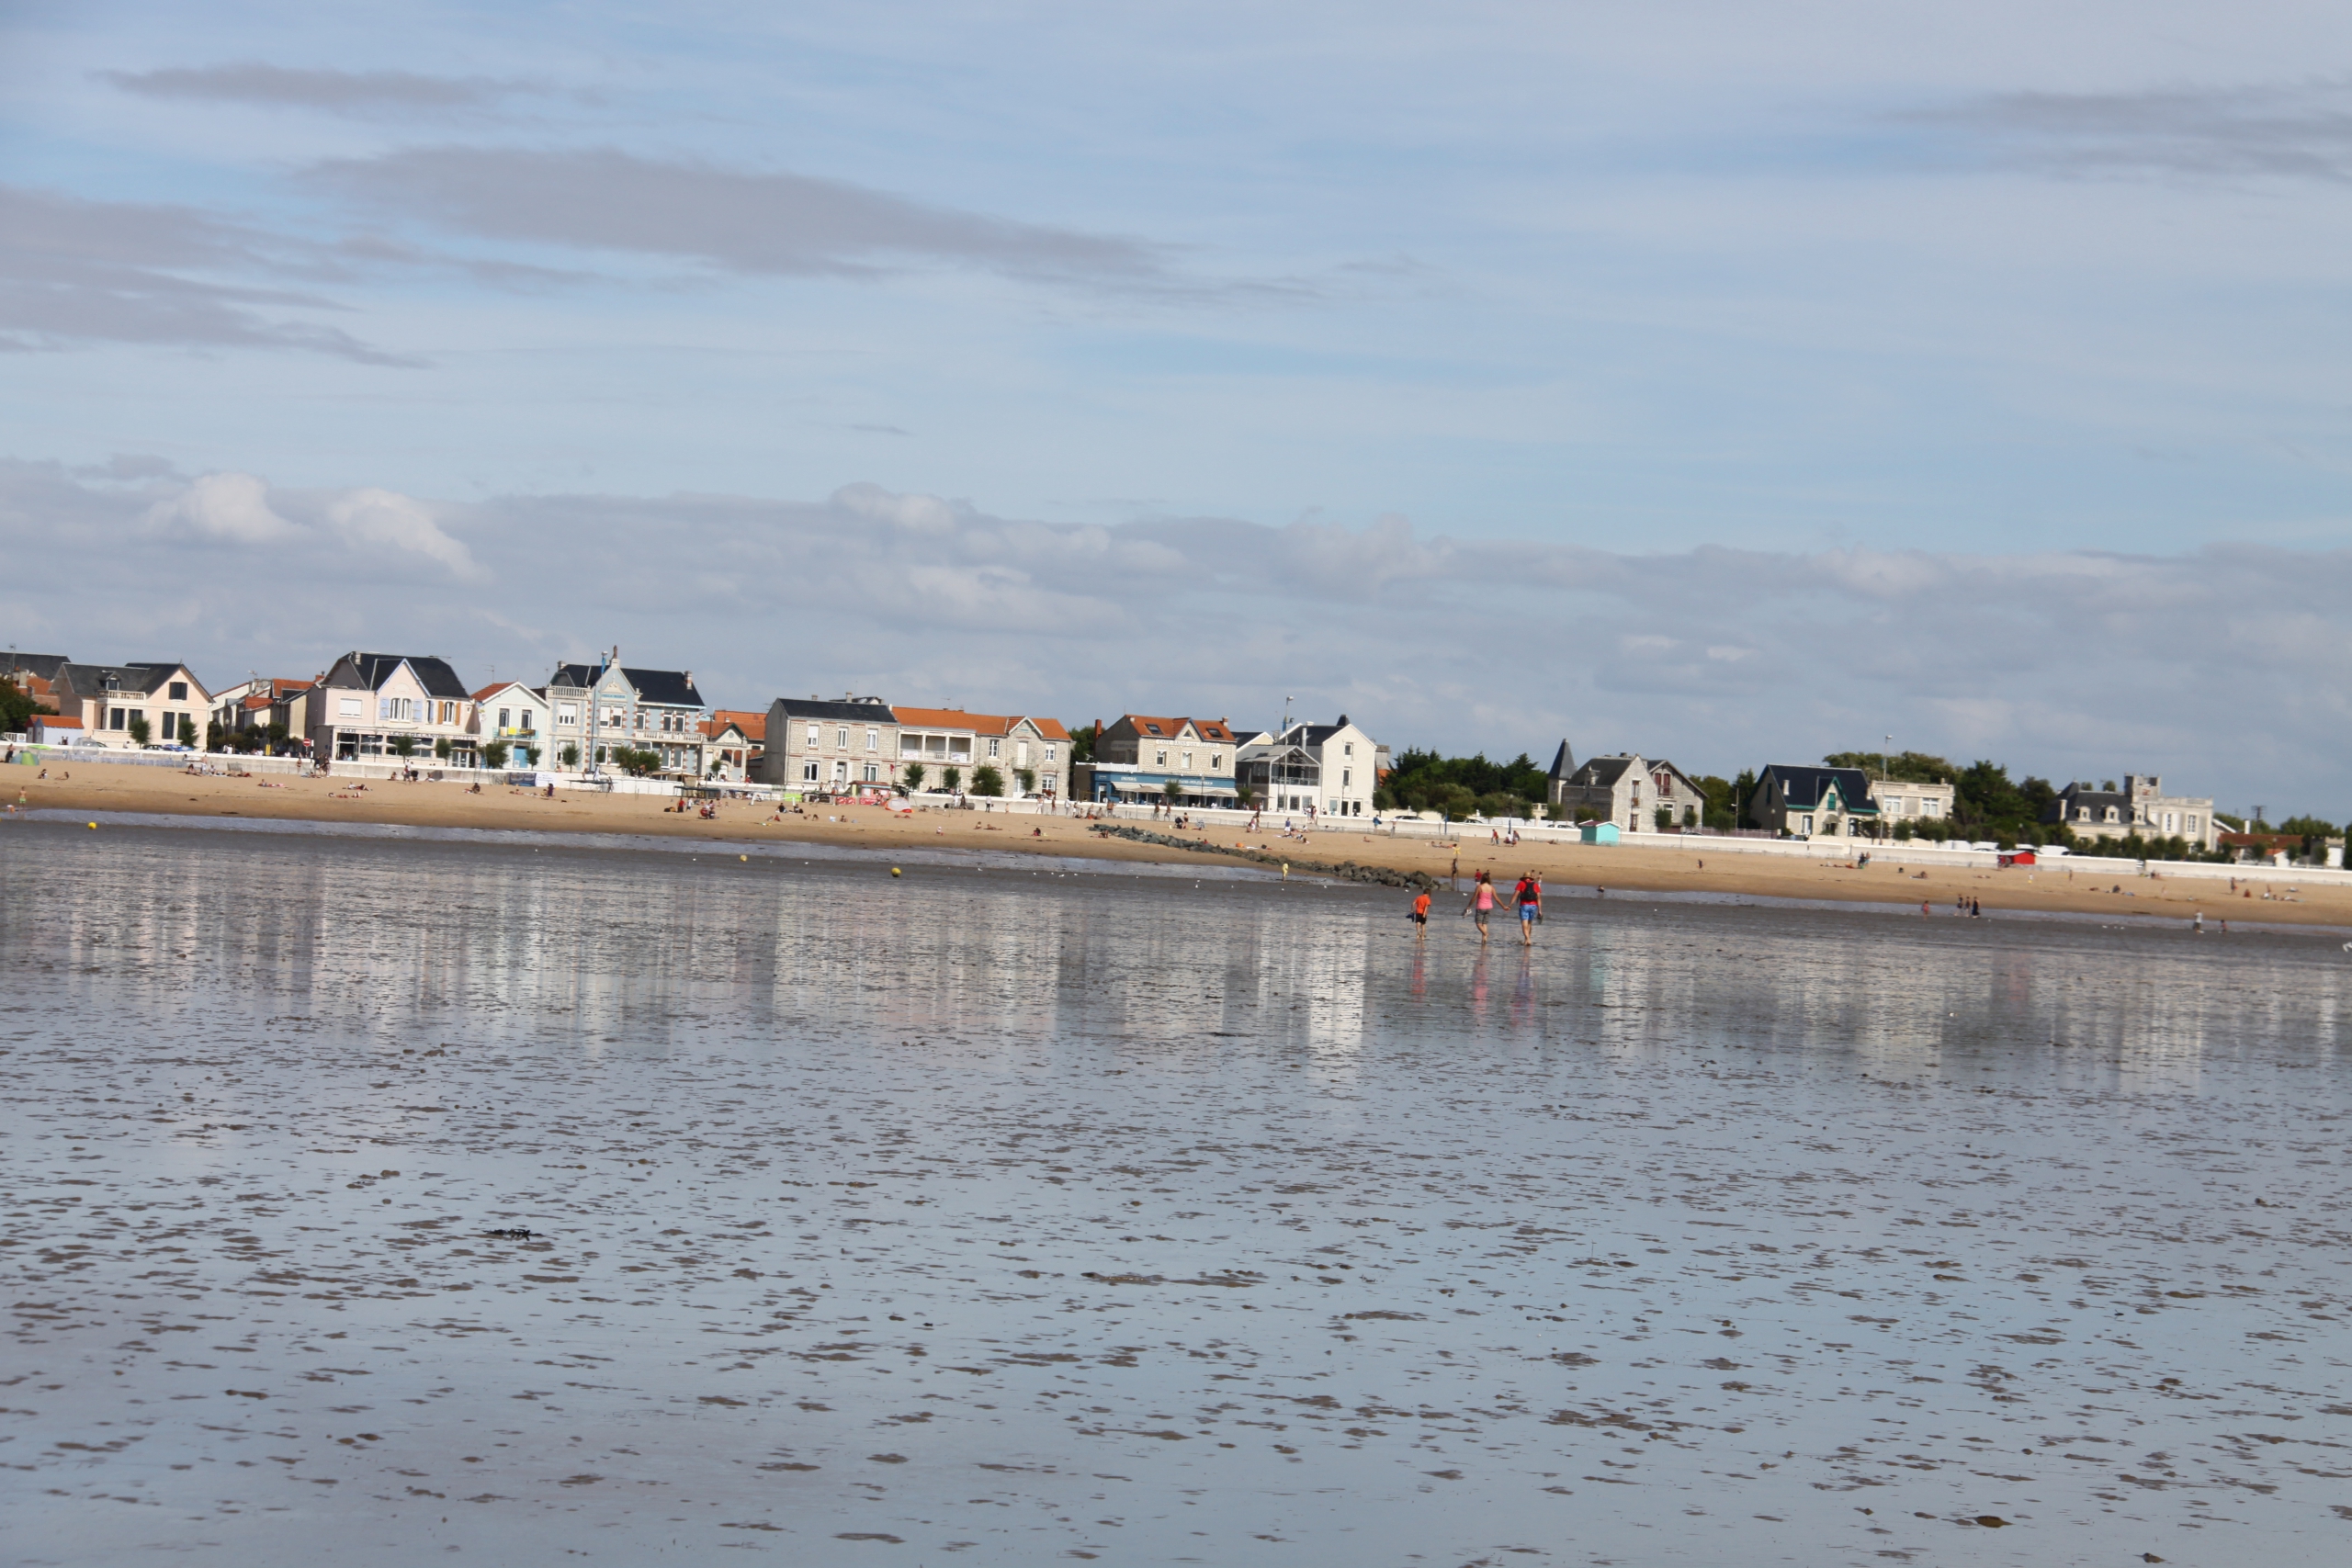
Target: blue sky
[[1443, 355]]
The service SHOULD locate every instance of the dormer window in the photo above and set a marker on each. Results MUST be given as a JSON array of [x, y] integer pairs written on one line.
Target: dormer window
[[1154, 729]]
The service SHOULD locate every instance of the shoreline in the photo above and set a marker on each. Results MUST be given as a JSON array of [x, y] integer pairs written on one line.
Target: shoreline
[[2267, 896]]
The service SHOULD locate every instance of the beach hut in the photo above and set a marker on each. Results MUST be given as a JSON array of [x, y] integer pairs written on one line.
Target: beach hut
[[1599, 833], [2019, 856]]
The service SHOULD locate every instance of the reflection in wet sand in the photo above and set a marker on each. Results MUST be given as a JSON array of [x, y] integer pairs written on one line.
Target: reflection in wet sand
[[1009, 1215]]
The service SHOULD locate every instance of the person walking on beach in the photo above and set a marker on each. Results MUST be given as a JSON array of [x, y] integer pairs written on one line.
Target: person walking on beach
[[1529, 894], [1481, 905], [1421, 917]]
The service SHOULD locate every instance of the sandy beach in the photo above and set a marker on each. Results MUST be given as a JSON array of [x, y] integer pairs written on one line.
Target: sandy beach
[[2269, 896]]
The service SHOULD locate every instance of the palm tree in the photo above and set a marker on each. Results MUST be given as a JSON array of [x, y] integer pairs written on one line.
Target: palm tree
[[953, 778], [913, 772]]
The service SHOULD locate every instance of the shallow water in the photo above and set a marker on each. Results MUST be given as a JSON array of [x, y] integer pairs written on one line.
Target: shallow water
[[1002, 1215]]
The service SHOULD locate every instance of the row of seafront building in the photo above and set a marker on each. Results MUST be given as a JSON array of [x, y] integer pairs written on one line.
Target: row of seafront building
[[379, 707], [1635, 794]]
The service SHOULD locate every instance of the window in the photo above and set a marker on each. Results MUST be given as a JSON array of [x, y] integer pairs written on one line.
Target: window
[[873, 743], [505, 717], [996, 748], [807, 773], [527, 725], [873, 772], [1347, 749], [567, 713], [1188, 761], [1215, 761], [179, 690], [1160, 759], [1049, 751], [841, 739], [1346, 777], [815, 736], [1806, 825]]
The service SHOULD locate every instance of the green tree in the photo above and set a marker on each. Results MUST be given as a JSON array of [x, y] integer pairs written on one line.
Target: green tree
[[403, 746], [1246, 797], [215, 737], [139, 730], [1421, 780], [987, 780], [17, 707], [570, 754], [530, 755], [953, 778], [913, 774], [1027, 779], [441, 747], [186, 731], [275, 736], [1081, 742], [1174, 790], [1664, 817], [1908, 767], [493, 753]]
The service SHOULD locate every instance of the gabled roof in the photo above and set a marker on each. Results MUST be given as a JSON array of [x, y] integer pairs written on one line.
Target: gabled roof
[[1804, 788], [56, 721], [497, 686], [664, 688], [1051, 728], [754, 726], [1601, 772], [854, 710], [434, 674], [90, 679]]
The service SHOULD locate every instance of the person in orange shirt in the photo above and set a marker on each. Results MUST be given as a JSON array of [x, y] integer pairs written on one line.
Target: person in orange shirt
[[1421, 917]]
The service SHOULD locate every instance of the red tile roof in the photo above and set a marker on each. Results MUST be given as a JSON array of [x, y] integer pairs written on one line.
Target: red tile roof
[[754, 726]]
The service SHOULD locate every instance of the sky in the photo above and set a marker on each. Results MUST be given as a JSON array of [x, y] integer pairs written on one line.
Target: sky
[[1730, 384]]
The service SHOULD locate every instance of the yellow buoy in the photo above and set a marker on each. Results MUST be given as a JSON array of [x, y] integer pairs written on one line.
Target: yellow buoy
[[742, 857], [894, 871], [94, 827]]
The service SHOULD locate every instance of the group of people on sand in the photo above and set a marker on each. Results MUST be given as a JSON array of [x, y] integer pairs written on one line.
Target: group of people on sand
[[1528, 895]]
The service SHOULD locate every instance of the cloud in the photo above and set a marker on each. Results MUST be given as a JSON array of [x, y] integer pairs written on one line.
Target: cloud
[[2061, 663], [234, 508], [2299, 131], [772, 223], [368, 518], [78, 270], [335, 92]]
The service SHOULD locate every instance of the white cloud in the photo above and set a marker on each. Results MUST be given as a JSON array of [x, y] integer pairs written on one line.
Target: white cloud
[[384, 517], [234, 508]]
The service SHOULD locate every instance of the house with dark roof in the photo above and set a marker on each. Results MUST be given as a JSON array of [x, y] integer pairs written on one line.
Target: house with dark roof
[[1322, 770], [114, 702], [1626, 789], [820, 744], [2140, 808], [1810, 802], [607, 704], [372, 708]]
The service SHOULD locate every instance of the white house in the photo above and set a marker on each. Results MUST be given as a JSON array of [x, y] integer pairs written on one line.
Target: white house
[[1343, 760], [371, 705], [518, 715]]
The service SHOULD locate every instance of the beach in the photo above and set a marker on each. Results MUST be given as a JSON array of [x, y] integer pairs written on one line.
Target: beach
[[2266, 896], [528, 1200]]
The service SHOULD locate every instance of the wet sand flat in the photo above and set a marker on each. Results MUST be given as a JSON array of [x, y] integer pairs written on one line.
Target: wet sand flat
[[1011, 1216], [2266, 896]]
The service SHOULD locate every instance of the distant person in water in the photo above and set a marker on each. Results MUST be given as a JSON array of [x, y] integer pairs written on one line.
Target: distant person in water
[[1529, 894], [1421, 917]]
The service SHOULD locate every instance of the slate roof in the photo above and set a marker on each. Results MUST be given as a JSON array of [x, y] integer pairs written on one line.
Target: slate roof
[[1601, 773], [853, 712], [1804, 787], [90, 679], [434, 674], [2076, 795], [44, 665], [1564, 761], [663, 688]]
